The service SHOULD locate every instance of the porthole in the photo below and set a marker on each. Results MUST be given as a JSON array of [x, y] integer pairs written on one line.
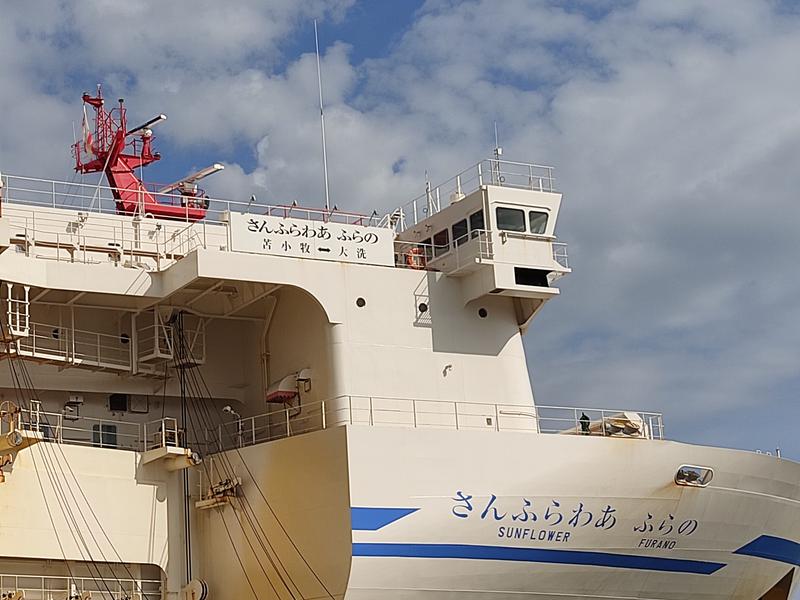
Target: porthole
[[56, 333], [124, 338], [360, 302], [423, 308], [483, 313]]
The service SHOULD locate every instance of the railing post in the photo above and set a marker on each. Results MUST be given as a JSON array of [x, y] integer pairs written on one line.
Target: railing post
[[288, 430], [324, 421], [414, 411], [497, 417], [371, 413], [455, 410], [350, 407], [480, 174]]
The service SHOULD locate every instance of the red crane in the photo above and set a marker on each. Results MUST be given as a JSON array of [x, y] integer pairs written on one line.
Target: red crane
[[116, 151]]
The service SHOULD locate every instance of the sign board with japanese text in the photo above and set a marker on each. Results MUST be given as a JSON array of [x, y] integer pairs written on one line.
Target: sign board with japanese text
[[299, 238]]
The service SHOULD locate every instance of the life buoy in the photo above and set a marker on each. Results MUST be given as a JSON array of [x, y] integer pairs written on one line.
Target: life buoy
[[415, 258]]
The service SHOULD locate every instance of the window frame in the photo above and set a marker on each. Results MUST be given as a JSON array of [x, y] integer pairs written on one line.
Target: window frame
[[463, 237], [546, 216], [476, 231], [521, 211], [440, 249]]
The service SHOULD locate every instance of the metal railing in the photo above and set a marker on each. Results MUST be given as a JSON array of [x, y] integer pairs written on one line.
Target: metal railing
[[57, 343], [71, 428], [561, 254], [51, 587], [354, 410], [437, 414], [72, 237], [505, 173], [464, 251], [162, 433], [92, 198]]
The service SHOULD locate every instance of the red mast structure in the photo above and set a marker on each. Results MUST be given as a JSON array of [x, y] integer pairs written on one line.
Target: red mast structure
[[118, 152]]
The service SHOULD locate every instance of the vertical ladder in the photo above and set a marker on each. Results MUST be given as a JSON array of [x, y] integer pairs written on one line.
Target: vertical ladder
[[18, 311]]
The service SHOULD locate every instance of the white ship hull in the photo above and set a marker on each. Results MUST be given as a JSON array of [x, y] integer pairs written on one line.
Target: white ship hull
[[408, 540]]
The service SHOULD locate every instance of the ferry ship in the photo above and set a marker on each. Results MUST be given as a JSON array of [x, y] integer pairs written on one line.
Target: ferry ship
[[208, 399]]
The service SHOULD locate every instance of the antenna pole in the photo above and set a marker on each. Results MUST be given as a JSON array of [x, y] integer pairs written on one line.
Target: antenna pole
[[322, 121], [497, 178]]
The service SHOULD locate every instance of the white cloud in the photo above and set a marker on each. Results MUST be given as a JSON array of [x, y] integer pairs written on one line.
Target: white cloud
[[673, 126]]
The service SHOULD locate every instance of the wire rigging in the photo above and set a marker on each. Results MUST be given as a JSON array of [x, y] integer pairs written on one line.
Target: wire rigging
[[22, 383]]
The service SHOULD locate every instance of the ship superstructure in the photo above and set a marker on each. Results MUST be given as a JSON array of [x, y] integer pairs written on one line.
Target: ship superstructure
[[221, 399]]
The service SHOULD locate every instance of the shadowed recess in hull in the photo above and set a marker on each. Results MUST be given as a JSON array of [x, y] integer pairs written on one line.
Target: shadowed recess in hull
[[540, 555], [773, 548]]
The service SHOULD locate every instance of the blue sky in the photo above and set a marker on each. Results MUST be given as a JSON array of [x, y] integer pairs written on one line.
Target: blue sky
[[672, 125]]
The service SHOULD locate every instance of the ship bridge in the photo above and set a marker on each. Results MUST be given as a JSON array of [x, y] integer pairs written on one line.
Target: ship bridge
[[492, 226]]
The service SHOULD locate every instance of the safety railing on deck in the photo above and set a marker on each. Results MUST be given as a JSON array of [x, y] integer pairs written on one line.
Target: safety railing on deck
[[70, 427], [49, 587], [400, 412], [55, 343], [505, 173], [466, 250], [561, 254], [90, 198], [72, 238]]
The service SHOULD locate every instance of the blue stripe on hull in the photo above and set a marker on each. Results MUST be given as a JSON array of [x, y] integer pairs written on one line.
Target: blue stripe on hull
[[539, 555], [773, 548], [372, 519]]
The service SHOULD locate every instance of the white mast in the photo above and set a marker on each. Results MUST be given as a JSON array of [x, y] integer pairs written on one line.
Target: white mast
[[322, 122]]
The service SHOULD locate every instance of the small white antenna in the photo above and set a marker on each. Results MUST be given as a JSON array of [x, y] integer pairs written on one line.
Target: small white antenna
[[428, 195], [498, 151], [497, 178], [322, 121]]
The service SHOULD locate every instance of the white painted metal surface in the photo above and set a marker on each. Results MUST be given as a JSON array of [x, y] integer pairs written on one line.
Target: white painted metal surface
[[411, 395]]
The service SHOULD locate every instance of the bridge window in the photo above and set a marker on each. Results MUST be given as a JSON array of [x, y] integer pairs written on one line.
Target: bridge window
[[538, 222], [476, 223], [426, 247], [460, 232], [510, 219], [441, 242]]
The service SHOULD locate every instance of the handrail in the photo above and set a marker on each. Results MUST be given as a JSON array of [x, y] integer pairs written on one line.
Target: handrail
[[491, 171], [476, 245], [420, 413], [285, 422], [102, 588], [62, 428], [99, 200]]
